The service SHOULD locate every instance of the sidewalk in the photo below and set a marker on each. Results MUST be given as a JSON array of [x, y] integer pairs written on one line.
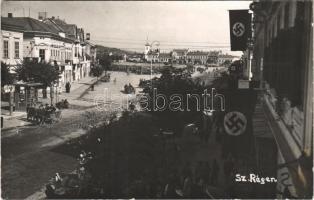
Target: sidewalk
[[78, 88], [13, 121]]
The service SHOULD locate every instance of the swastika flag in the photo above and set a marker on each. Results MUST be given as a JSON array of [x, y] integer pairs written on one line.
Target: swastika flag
[[240, 29]]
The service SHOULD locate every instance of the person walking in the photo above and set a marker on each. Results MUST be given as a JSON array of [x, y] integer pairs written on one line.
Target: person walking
[[67, 87]]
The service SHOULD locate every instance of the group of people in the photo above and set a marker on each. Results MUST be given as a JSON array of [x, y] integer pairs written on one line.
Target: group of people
[[128, 88], [40, 113], [62, 104], [190, 182]]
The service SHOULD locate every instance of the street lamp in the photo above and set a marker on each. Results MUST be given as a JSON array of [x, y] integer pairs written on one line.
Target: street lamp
[[157, 43]]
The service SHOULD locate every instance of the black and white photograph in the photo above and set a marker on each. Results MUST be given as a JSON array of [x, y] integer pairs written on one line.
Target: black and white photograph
[[157, 99]]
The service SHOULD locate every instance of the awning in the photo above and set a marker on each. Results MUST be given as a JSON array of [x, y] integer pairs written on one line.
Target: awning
[[27, 84]]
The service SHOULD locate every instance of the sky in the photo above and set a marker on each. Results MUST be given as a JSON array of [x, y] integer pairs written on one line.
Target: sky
[[201, 25]]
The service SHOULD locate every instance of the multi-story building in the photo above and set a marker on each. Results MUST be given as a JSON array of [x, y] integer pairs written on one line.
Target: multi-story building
[[153, 56], [283, 64], [164, 57], [44, 42], [197, 57], [225, 58], [80, 64], [11, 44], [91, 52], [179, 55]]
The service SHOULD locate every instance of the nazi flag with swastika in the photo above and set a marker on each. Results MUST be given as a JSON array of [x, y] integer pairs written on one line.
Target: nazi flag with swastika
[[240, 29], [235, 123]]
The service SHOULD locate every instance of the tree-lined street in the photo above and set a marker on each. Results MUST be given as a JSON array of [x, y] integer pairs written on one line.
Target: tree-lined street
[[157, 100]]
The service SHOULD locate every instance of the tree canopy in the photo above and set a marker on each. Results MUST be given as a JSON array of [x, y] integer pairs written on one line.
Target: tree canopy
[[96, 70], [41, 72], [6, 76], [179, 82], [105, 61]]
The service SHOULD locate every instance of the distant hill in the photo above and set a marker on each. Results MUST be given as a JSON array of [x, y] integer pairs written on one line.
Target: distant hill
[[115, 51]]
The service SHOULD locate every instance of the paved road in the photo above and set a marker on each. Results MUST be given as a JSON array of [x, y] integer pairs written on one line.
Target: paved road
[[28, 156]]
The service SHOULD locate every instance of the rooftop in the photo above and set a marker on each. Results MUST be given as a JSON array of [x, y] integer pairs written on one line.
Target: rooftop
[[180, 50], [165, 55], [27, 24], [198, 53]]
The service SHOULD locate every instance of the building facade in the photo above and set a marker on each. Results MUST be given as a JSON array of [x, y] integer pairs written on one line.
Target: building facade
[[48, 40], [225, 58], [164, 57], [197, 57], [153, 56], [179, 55], [283, 65], [12, 46]]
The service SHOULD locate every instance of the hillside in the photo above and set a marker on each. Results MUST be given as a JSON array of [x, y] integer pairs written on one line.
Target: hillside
[[102, 49]]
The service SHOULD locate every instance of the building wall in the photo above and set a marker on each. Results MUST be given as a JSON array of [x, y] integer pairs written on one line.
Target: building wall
[[200, 58], [282, 62], [11, 37], [54, 49]]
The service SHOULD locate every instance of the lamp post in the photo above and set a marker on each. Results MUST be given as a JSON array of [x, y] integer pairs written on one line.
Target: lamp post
[[151, 61]]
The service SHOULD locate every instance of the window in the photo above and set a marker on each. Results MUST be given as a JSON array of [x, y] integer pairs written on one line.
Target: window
[[42, 54], [75, 52], [5, 49], [16, 49], [51, 53]]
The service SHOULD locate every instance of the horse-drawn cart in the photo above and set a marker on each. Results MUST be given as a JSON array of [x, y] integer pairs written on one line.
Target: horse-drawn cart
[[43, 114]]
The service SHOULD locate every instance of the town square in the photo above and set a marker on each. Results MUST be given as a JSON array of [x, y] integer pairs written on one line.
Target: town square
[[157, 99]]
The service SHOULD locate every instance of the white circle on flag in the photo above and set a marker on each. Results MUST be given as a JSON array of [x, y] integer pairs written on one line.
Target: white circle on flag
[[238, 29], [235, 123]]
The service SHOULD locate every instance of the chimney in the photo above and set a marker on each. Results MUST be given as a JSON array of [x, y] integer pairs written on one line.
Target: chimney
[[10, 15]]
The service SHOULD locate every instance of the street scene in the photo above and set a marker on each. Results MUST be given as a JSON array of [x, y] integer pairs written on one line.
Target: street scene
[[157, 100]]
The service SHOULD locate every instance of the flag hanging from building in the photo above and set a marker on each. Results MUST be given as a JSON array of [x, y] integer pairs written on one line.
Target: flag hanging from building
[[240, 29]]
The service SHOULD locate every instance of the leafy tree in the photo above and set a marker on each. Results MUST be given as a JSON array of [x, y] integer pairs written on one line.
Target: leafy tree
[[175, 81], [227, 63], [40, 72], [97, 71], [6, 76], [105, 61]]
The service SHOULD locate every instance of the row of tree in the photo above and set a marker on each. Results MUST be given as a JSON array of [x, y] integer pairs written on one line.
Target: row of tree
[[45, 73], [31, 71], [104, 64]]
